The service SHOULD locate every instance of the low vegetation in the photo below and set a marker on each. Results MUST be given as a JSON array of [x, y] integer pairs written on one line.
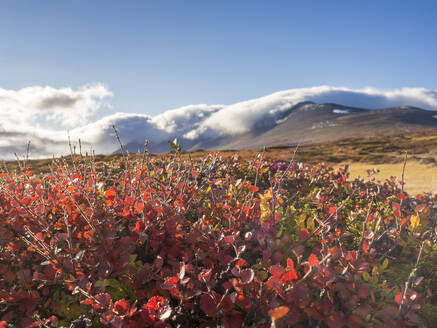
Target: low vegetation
[[386, 153], [165, 241]]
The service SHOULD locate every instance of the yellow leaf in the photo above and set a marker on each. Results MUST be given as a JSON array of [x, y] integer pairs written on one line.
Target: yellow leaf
[[265, 204], [310, 225], [231, 188], [427, 246], [414, 221], [385, 264]]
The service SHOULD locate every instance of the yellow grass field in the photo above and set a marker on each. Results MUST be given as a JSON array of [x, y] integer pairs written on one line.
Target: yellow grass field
[[418, 177]]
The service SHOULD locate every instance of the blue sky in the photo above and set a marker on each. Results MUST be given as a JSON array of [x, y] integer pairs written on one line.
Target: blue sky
[[157, 55], [200, 70]]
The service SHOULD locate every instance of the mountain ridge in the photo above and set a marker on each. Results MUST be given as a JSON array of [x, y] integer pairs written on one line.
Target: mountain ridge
[[309, 122]]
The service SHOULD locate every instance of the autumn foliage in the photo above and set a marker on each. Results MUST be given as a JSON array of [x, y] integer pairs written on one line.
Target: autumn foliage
[[212, 243]]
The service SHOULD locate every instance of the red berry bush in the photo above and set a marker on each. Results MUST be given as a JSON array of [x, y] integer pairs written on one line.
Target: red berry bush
[[213, 243]]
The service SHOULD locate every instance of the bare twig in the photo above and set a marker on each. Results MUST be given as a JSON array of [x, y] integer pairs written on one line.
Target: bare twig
[[410, 277], [27, 154], [403, 171], [121, 147]]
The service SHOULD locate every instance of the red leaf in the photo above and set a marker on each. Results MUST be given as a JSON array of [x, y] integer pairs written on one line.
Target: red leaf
[[155, 302], [401, 196], [277, 270], [156, 308], [332, 210], [279, 312], [313, 260], [170, 283], [363, 292], [290, 264], [398, 298], [205, 274], [121, 307], [88, 301], [234, 321], [139, 207], [241, 263], [247, 276], [334, 251], [354, 321], [289, 275], [139, 226], [274, 283], [129, 201], [304, 233], [104, 300], [366, 247], [368, 234], [208, 304]]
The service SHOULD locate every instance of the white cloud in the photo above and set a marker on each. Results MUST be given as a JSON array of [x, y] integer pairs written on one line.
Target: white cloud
[[63, 106], [195, 124], [243, 117]]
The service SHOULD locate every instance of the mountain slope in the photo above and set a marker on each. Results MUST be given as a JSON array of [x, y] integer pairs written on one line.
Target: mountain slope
[[308, 122], [313, 123]]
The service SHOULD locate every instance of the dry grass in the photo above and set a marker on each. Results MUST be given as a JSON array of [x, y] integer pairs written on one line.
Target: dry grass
[[419, 178]]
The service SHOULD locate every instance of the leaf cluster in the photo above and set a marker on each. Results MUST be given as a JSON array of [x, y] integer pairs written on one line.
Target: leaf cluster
[[213, 243]]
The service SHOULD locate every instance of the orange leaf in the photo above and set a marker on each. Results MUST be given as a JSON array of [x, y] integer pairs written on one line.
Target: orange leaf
[[403, 222], [246, 208], [252, 188], [139, 207], [110, 193], [334, 251], [241, 263], [279, 312]]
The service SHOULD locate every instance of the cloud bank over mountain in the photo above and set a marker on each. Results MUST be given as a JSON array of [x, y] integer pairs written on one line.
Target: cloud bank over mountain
[[42, 115]]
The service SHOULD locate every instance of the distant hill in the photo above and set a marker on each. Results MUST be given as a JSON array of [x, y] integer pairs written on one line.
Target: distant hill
[[308, 123], [315, 123]]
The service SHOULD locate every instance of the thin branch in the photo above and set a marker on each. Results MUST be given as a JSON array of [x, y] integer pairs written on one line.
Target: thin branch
[[410, 277], [403, 171]]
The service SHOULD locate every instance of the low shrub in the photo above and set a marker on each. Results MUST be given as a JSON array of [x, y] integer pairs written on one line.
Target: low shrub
[[213, 243]]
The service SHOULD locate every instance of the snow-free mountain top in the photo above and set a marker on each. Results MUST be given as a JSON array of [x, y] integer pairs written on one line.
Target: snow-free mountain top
[[280, 117]]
